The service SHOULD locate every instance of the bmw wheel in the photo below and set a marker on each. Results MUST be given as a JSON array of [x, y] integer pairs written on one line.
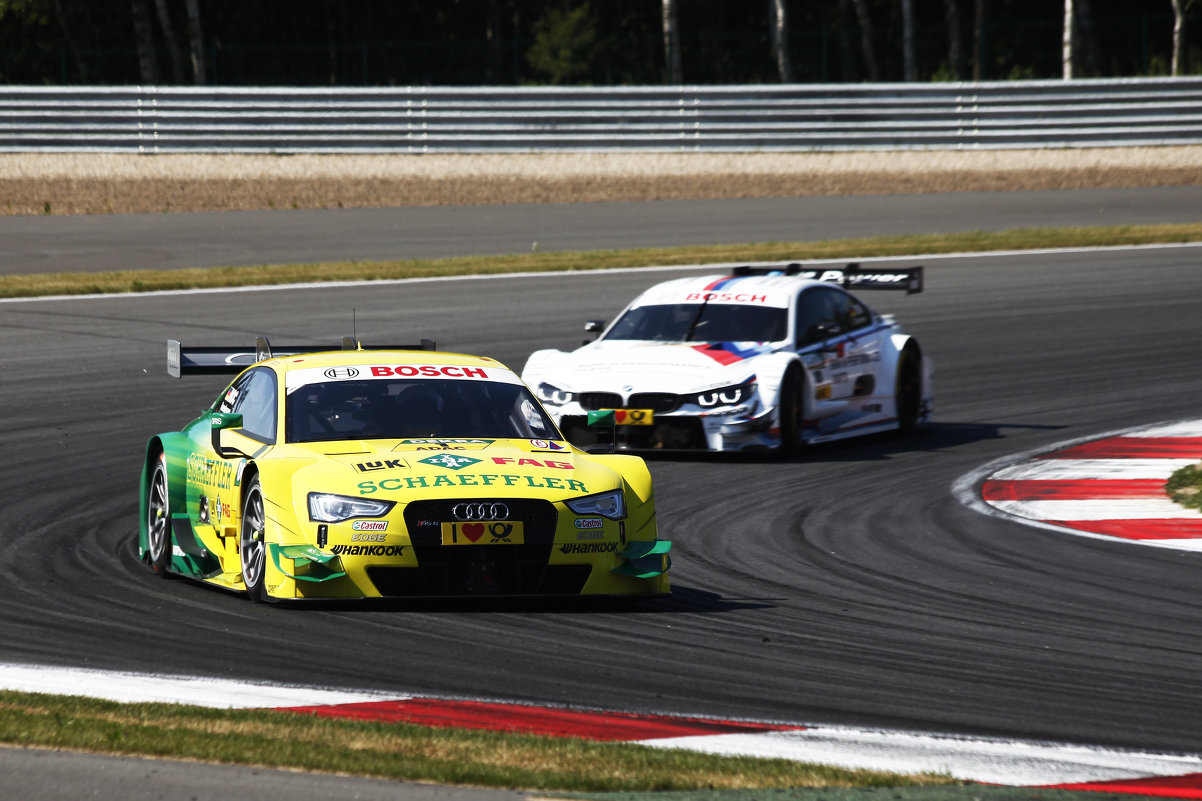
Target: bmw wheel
[[908, 395], [251, 544], [791, 409], [158, 518]]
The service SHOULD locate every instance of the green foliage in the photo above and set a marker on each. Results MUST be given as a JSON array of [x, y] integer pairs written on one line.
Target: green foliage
[[1185, 486], [29, 11], [598, 42], [565, 41]]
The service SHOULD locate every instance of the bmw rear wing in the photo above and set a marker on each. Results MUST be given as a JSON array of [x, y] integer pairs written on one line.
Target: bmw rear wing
[[853, 276], [197, 360]]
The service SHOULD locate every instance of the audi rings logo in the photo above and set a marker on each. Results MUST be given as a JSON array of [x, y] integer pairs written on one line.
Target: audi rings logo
[[341, 372], [480, 511]]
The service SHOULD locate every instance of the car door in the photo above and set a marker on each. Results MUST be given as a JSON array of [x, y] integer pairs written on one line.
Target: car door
[[215, 481], [837, 328]]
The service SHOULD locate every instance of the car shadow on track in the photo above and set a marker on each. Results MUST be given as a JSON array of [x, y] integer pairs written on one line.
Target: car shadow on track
[[933, 437], [682, 599]]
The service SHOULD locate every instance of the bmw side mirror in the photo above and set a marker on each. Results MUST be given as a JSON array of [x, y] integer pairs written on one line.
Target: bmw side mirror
[[594, 327]]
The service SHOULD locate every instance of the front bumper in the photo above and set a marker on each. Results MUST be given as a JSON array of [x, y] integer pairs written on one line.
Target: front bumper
[[559, 555], [681, 432]]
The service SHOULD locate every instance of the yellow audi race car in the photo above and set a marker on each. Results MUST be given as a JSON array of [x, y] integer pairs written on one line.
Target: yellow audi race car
[[362, 473]]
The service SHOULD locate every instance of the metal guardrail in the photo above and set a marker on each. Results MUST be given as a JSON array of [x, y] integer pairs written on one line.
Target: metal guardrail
[[795, 117]]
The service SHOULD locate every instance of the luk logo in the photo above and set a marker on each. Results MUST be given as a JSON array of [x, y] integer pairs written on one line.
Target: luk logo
[[384, 464], [449, 461]]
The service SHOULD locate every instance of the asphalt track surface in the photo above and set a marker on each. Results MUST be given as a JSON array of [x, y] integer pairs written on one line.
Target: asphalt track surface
[[844, 586], [169, 241]]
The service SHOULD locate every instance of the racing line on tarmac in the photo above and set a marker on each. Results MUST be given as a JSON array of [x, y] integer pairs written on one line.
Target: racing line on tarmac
[[1109, 487]]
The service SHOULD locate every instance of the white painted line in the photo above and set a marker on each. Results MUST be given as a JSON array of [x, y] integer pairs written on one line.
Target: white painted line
[[137, 688], [1185, 428], [998, 761], [1181, 545], [1117, 509], [615, 270], [1067, 469]]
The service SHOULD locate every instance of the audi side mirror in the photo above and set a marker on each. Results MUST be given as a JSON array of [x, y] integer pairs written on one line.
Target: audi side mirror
[[218, 422]]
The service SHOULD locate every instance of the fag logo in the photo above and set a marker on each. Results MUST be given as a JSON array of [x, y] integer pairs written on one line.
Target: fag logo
[[449, 461]]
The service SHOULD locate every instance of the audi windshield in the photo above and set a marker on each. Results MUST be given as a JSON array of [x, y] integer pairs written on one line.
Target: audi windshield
[[701, 322], [403, 408]]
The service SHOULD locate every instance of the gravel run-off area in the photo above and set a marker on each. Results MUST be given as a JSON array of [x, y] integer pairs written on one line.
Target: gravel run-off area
[[109, 183]]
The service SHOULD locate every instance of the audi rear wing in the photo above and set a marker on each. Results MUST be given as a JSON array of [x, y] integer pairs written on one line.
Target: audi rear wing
[[200, 360], [853, 276]]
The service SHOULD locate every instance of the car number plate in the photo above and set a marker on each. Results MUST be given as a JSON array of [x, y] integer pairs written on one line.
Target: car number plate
[[497, 532], [632, 417]]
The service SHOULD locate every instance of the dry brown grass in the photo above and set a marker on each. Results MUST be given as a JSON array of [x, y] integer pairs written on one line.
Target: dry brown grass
[[100, 183]]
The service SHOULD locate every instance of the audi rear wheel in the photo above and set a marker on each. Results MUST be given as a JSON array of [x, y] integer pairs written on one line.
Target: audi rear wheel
[[158, 518]]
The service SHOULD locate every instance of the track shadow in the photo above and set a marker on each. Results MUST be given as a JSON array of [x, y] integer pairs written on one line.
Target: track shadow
[[931, 438], [682, 599]]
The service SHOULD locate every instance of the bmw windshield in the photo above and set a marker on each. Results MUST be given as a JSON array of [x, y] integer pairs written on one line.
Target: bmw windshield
[[701, 322]]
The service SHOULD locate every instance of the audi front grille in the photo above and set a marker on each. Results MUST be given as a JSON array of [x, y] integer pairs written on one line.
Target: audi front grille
[[480, 569]]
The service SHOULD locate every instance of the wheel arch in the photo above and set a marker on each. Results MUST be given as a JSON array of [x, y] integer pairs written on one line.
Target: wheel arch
[[159, 447], [770, 372]]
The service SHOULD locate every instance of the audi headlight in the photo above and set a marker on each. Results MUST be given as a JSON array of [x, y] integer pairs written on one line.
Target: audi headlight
[[327, 508], [553, 395], [726, 396], [610, 504]]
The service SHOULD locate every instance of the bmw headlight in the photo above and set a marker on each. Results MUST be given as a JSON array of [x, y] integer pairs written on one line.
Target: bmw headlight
[[726, 396], [610, 504], [553, 395], [327, 508]]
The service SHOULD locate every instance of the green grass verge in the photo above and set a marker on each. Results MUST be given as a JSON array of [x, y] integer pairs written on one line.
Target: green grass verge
[[266, 275], [400, 751], [1185, 486]]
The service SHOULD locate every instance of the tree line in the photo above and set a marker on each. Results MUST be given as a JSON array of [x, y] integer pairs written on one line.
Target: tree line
[[588, 42]]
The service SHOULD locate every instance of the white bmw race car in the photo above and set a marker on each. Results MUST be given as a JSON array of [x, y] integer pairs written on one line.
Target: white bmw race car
[[766, 358]]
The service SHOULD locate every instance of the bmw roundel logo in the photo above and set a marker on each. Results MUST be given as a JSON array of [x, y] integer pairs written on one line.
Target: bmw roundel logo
[[341, 372]]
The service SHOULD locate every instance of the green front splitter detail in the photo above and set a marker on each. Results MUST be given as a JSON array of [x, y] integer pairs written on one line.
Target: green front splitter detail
[[318, 568], [645, 559]]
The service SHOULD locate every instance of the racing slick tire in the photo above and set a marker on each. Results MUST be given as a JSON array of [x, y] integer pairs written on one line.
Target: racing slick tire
[[791, 410], [251, 546], [158, 518], [908, 392]]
